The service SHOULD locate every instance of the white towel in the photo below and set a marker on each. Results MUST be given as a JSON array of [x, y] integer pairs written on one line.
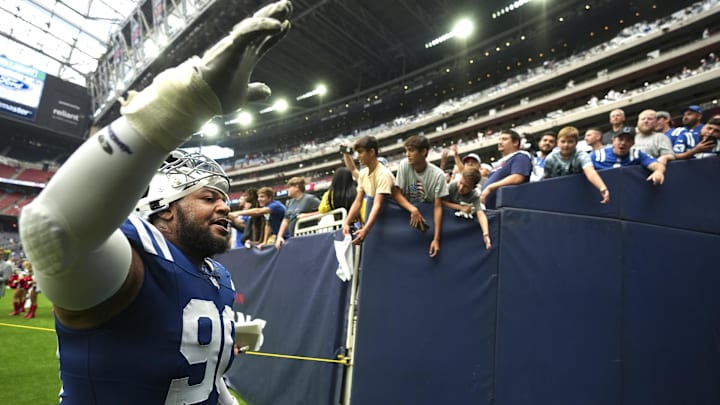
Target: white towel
[[344, 254]]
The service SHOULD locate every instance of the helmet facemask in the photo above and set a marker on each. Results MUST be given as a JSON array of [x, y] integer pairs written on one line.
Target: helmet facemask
[[181, 174]]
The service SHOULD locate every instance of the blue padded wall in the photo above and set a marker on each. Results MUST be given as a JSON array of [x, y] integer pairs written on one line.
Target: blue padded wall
[[688, 199], [559, 338], [671, 316], [426, 326], [305, 305]]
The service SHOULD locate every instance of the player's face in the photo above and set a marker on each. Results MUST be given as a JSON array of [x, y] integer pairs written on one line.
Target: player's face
[[202, 225], [622, 145], [567, 146]]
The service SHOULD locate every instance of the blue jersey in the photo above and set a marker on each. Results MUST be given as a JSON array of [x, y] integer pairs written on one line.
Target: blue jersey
[[682, 132], [170, 346], [605, 158], [687, 141], [673, 133]]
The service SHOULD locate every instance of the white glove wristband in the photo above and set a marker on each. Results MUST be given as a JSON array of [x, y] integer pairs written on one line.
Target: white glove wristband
[[176, 104]]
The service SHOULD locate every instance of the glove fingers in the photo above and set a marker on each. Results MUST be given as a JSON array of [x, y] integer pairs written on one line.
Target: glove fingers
[[271, 40], [227, 66], [244, 33], [279, 10], [258, 92]]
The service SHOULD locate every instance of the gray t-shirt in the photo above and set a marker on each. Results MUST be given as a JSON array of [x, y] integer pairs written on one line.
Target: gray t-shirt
[[556, 165], [471, 198], [655, 144], [421, 187], [306, 203]]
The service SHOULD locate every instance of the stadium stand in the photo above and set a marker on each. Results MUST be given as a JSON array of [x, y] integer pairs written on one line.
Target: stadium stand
[[618, 64], [7, 171]]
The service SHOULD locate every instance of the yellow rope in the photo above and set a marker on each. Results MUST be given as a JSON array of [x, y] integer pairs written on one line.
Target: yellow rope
[[27, 327], [342, 359]]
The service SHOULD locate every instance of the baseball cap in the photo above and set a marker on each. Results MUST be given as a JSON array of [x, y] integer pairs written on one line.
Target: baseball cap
[[629, 131], [486, 166], [382, 160], [471, 156], [661, 114], [693, 108]]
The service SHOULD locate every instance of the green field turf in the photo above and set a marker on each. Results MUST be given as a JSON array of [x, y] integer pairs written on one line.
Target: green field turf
[[28, 363]]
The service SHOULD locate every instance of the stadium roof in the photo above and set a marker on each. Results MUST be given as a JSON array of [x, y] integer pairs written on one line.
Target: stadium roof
[[358, 49], [64, 38]]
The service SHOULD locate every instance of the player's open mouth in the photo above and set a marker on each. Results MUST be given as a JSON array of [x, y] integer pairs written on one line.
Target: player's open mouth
[[223, 222]]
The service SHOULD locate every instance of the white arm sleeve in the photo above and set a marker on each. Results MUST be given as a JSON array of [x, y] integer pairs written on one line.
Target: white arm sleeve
[[70, 231]]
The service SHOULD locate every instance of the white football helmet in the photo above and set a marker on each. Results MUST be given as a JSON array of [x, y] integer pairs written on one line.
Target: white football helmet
[[181, 174]]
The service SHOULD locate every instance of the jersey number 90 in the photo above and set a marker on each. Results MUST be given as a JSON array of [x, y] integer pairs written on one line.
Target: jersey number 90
[[215, 353]]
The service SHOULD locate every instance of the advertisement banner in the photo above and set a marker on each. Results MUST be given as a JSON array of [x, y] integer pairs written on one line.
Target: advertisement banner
[[21, 89], [65, 108]]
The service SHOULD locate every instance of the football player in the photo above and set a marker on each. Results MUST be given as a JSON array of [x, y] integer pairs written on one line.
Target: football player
[[143, 314]]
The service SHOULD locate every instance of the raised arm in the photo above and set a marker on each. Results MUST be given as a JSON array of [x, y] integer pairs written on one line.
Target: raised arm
[[70, 231], [350, 164]]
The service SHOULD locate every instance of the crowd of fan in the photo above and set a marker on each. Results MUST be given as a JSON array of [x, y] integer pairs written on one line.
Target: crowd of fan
[[537, 74], [472, 185], [269, 214]]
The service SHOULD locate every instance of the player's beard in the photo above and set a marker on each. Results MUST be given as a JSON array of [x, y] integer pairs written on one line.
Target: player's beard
[[199, 238]]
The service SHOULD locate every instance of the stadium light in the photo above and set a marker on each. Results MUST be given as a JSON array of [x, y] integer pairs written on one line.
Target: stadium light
[[281, 105], [320, 90], [210, 129], [462, 29], [509, 8], [243, 118]]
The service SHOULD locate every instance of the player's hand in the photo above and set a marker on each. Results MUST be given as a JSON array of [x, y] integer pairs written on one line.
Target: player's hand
[[226, 67], [182, 98]]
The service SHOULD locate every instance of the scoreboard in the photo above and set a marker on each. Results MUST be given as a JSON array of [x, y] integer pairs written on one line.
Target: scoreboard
[[42, 100]]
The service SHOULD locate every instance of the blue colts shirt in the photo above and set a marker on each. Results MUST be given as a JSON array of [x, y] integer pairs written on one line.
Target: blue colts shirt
[[170, 346]]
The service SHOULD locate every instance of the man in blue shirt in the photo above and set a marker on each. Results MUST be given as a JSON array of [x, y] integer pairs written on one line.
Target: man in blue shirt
[[622, 153], [690, 129], [513, 168], [707, 145], [272, 210]]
